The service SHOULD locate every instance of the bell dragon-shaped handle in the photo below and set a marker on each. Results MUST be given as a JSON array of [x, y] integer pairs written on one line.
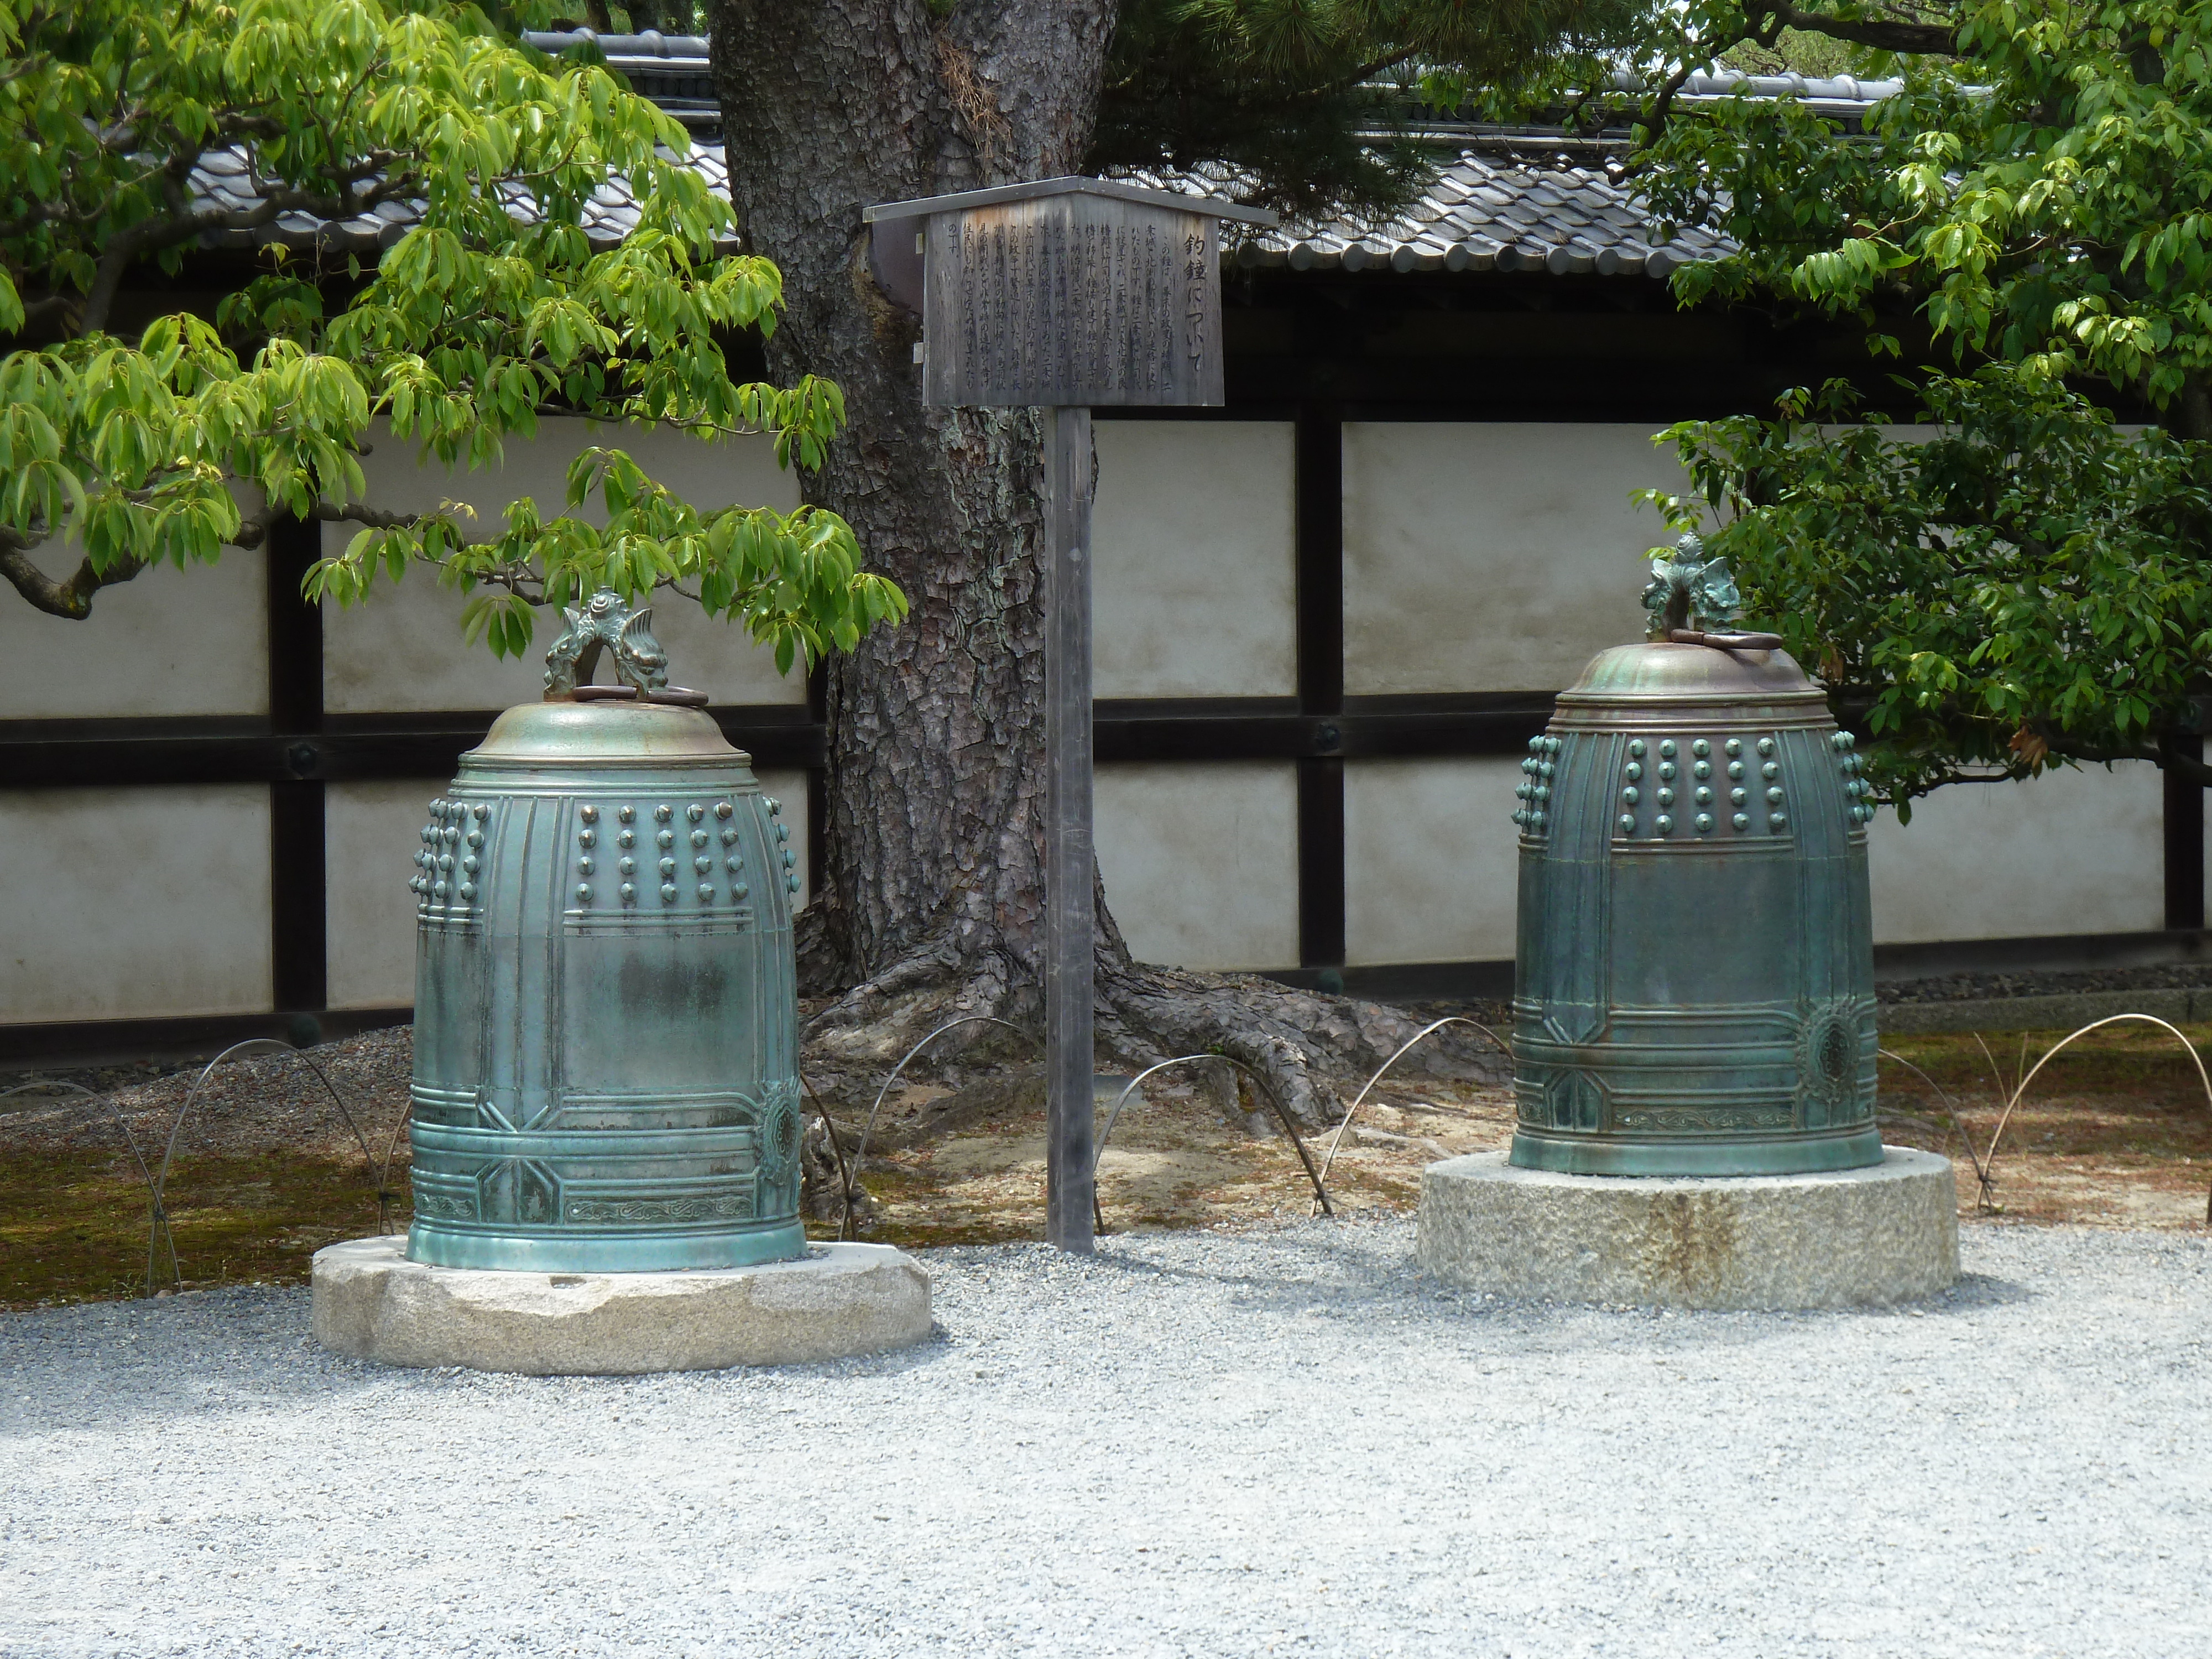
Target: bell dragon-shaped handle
[[1690, 587], [606, 623]]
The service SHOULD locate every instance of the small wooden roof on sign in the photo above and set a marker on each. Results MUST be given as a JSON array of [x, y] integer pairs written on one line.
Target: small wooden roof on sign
[[898, 267], [923, 206]]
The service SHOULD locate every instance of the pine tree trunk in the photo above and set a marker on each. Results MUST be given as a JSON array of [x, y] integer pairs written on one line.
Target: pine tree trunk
[[932, 903]]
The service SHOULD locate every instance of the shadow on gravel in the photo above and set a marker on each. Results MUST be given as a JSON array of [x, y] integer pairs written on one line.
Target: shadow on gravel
[[1981, 1290], [129, 1366], [1282, 1290], [933, 1350], [117, 1364]]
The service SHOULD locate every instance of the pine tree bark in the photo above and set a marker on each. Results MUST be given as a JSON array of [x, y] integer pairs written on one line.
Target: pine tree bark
[[932, 903]]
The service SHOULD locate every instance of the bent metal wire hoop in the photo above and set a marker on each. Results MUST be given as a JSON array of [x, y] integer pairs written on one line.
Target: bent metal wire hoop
[[265, 1045], [159, 1237], [860, 1153], [1404, 1048], [1321, 1192], [155, 1221]]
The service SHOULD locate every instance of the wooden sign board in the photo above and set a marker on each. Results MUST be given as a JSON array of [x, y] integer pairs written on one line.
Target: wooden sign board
[[1069, 293], [1058, 296]]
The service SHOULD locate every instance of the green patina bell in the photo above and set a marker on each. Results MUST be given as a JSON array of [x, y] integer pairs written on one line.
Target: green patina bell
[[1694, 983], [607, 1067]]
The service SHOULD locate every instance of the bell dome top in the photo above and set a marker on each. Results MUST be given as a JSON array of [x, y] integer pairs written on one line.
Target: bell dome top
[[605, 731], [1699, 673]]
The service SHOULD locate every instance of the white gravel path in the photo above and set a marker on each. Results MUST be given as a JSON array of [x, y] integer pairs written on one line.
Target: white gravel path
[[1195, 1444]]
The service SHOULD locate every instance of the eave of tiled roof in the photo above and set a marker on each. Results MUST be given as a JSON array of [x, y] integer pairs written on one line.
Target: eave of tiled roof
[[1838, 96], [221, 179], [1511, 199], [1539, 212], [672, 69]]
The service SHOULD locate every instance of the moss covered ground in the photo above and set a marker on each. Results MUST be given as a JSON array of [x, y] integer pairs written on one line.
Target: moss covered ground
[[2117, 1131]]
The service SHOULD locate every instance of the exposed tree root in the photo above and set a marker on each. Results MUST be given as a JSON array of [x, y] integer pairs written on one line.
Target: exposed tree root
[[1307, 1046], [1304, 1043]]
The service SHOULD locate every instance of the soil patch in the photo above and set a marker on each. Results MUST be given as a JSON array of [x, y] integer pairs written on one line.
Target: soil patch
[[2043, 982], [2115, 1132]]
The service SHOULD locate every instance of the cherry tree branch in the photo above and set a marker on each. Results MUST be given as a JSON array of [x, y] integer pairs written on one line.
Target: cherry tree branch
[[71, 598], [253, 528]]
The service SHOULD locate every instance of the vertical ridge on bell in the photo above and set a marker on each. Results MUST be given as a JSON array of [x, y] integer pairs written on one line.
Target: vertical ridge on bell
[[1578, 855]]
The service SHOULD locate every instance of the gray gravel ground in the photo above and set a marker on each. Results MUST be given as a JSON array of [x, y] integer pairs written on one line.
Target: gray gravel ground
[[1277, 1441]]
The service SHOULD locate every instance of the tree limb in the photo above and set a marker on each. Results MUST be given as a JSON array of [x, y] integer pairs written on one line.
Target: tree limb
[[1931, 40], [253, 528], [2197, 408], [148, 236], [2163, 751], [1352, 78], [71, 598], [55, 308], [1661, 106]]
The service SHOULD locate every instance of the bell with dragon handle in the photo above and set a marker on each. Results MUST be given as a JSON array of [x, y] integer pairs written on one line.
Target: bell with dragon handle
[[1694, 977], [607, 1067]]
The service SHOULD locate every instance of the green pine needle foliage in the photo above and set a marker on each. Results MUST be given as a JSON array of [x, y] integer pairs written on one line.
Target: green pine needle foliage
[[1316, 104]]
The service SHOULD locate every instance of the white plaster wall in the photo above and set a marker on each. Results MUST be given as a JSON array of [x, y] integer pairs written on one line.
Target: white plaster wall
[[168, 641], [402, 648], [1191, 537], [2071, 852], [1430, 860], [1200, 862], [1493, 556], [134, 904], [371, 833]]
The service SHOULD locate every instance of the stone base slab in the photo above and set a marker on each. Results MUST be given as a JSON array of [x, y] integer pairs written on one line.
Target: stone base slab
[[836, 1301], [1886, 1233]]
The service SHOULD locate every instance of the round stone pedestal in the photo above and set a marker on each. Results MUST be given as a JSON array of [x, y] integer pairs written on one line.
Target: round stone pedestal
[[1886, 1233], [836, 1301]]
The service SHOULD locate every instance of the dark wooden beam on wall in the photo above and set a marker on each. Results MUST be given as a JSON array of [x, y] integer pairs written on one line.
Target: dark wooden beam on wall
[[195, 1037], [1321, 867], [1317, 561], [1530, 347], [2185, 841], [1317, 556], [43, 753], [299, 953], [48, 754]]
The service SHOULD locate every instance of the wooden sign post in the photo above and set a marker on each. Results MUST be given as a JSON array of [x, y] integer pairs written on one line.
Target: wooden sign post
[[1062, 295]]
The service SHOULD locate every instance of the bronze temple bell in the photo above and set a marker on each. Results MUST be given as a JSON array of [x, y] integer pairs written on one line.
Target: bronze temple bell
[[1694, 977], [606, 1049]]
